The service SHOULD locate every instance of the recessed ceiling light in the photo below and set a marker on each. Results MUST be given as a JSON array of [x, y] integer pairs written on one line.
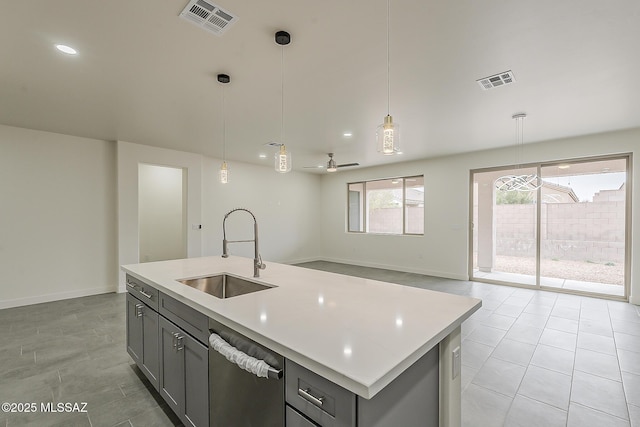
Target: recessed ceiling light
[[398, 152], [262, 156], [564, 166], [66, 49], [320, 166], [347, 134]]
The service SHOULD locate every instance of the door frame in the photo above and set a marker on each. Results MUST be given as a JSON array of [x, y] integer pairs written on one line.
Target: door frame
[[129, 157]]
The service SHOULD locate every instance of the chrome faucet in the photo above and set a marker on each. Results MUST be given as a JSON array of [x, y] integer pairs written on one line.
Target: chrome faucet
[[257, 259]]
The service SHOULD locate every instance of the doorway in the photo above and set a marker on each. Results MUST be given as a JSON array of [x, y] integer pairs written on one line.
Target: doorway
[[571, 234], [162, 219]]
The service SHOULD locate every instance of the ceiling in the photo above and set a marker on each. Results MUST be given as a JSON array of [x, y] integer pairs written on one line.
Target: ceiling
[[145, 75]]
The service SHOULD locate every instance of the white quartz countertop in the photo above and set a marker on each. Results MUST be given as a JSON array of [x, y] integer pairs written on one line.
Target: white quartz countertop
[[359, 333]]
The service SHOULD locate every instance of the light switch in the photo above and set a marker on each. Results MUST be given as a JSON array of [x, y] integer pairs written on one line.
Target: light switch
[[455, 359]]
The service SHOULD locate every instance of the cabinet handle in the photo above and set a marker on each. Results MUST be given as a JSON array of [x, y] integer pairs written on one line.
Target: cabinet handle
[[180, 344], [174, 340], [305, 394], [139, 310], [146, 294], [141, 290]]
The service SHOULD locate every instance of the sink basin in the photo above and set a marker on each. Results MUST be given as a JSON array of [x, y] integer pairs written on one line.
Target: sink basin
[[224, 285]]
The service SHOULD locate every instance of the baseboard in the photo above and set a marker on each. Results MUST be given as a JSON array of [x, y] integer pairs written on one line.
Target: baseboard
[[301, 260], [634, 299], [38, 299], [435, 273]]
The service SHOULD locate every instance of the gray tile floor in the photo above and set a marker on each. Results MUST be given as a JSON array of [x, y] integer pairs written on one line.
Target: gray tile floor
[[73, 351], [530, 358]]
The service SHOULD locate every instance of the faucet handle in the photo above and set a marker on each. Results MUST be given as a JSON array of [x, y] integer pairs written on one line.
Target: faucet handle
[[261, 265]]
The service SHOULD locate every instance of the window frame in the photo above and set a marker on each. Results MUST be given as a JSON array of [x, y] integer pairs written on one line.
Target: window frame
[[364, 209]]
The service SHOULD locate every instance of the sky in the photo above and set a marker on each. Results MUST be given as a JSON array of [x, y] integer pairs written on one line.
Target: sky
[[585, 186]]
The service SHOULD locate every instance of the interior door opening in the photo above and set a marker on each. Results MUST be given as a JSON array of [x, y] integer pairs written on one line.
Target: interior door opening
[[162, 213]]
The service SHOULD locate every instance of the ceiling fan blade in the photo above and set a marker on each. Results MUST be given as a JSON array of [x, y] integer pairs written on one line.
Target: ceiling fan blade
[[346, 165]]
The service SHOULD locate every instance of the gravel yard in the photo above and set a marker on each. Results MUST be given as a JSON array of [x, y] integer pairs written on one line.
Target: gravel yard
[[564, 269]]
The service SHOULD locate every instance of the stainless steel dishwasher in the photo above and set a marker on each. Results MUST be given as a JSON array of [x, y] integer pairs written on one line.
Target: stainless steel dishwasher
[[240, 398]]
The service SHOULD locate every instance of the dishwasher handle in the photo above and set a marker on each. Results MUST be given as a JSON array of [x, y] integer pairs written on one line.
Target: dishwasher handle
[[250, 364]]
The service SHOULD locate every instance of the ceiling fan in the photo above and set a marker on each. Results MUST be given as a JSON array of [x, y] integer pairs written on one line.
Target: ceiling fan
[[332, 166]]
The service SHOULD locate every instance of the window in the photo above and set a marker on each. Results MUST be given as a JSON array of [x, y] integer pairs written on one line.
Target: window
[[386, 206]]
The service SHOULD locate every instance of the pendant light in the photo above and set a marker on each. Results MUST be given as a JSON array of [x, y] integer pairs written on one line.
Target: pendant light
[[223, 174], [388, 133], [282, 157], [518, 181]]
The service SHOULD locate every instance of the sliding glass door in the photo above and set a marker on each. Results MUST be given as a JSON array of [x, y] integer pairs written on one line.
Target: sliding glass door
[[504, 230], [567, 231]]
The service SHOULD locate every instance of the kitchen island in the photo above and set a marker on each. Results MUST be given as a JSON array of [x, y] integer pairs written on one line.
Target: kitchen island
[[360, 334]]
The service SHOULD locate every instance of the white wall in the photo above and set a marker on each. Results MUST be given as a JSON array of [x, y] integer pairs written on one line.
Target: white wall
[[443, 250], [57, 216], [286, 206], [61, 235]]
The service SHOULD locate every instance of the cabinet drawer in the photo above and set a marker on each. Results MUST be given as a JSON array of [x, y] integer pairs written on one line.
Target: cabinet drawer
[[294, 419], [189, 319], [324, 402], [142, 291]]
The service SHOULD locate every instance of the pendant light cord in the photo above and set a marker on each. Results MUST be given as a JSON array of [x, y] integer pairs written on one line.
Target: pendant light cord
[[517, 159], [224, 129], [519, 138], [282, 96], [388, 61]]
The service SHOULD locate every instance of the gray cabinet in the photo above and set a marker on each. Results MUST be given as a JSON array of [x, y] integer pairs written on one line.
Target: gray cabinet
[[160, 339], [294, 419], [142, 337], [184, 378], [411, 400]]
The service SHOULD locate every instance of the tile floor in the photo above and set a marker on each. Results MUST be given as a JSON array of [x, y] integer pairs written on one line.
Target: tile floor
[[74, 351], [529, 359]]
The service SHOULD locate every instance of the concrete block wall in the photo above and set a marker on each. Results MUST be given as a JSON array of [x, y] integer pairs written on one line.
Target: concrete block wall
[[592, 231]]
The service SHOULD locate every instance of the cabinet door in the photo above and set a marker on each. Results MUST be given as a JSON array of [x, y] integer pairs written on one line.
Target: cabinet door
[[196, 382], [150, 351], [134, 329], [171, 367], [294, 419]]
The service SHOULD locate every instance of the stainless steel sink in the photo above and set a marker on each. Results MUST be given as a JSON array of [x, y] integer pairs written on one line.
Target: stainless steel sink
[[224, 285]]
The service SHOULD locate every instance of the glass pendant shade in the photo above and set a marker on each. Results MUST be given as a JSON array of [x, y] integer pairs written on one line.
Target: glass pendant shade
[[283, 160], [388, 137], [223, 173]]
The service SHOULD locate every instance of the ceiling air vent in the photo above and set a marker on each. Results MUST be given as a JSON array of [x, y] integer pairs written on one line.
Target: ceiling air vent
[[209, 16], [497, 80]]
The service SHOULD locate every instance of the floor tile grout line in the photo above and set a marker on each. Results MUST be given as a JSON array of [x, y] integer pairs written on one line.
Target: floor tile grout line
[[600, 411], [599, 376], [624, 390]]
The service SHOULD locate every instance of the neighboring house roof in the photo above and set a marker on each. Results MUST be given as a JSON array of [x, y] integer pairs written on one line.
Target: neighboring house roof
[[414, 196], [561, 189]]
